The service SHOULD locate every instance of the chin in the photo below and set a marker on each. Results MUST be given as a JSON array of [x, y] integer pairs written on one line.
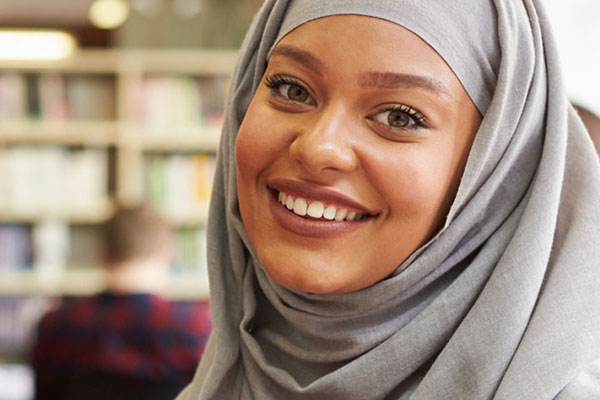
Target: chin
[[306, 279]]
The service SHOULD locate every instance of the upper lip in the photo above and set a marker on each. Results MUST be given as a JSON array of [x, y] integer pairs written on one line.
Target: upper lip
[[316, 192]]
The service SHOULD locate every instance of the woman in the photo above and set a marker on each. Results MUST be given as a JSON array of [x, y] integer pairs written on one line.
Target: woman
[[405, 207]]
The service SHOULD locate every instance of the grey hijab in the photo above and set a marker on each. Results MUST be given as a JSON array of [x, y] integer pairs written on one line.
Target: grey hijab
[[504, 303]]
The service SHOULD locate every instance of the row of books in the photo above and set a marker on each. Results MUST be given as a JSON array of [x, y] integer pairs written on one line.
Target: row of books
[[162, 102], [18, 319], [157, 102], [51, 246], [56, 97], [43, 246], [179, 184], [15, 242], [190, 251], [190, 248], [52, 177]]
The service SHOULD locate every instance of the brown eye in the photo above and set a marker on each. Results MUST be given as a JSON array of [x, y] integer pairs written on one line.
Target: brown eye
[[398, 119], [297, 93], [289, 90]]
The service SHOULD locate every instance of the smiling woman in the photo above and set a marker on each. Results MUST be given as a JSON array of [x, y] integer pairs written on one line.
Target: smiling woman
[[381, 150], [405, 207]]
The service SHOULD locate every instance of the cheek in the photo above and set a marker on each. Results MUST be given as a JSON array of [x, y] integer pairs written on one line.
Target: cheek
[[419, 185], [260, 139], [414, 179], [247, 145]]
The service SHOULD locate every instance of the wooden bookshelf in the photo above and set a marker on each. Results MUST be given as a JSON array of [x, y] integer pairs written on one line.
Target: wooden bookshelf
[[89, 214], [84, 133], [129, 87], [199, 139], [89, 280]]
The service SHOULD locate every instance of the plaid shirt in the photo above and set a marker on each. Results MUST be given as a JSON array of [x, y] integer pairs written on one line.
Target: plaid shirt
[[141, 335]]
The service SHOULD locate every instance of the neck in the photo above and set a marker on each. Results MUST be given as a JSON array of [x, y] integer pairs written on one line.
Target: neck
[[138, 276]]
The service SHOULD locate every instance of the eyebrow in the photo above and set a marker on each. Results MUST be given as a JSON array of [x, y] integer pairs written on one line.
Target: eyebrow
[[302, 56], [394, 80], [379, 80]]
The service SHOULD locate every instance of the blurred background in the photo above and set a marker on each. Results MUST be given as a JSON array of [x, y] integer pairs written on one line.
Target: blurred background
[[103, 102], [106, 102], [577, 33]]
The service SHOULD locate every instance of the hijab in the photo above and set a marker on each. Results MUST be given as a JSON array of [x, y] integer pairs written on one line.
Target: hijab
[[503, 303]]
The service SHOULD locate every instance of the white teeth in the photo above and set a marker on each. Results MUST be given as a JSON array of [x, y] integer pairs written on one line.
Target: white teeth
[[300, 206], [315, 209], [341, 214], [329, 213], [289, 203]]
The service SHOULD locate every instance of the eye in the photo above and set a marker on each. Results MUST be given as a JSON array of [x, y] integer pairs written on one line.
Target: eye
[[288, 89], [294, 92], [399, 118]]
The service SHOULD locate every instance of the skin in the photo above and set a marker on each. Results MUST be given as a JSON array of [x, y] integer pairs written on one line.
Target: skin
[[330, 127], [592, 124]]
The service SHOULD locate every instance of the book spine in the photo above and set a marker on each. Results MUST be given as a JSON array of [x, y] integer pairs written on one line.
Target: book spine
[[54, 178], [13, 97]]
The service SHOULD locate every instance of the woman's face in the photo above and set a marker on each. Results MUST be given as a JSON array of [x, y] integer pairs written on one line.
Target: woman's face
[[362, 131]]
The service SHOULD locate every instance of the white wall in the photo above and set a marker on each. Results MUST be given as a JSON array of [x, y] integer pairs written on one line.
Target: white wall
[[577, 30]]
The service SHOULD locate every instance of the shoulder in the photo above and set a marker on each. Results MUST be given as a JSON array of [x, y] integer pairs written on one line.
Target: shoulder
[[193, 317], [69, 310]]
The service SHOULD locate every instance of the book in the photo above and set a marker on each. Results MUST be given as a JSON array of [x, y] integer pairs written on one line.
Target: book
[[168, 102], [53, 178], [91, 97], [52, 92], [172, 104], [190, 252], [214, 92], [13, 96], [15, 247], [18, 320], [51, 239], [179, 184]]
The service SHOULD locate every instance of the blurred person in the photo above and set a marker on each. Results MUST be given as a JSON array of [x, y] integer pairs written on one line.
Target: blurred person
[[128, 342], [591, 122]]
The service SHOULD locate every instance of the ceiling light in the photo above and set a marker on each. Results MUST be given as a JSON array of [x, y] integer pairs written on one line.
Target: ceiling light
[[108, 14], [148, 8], [21, 44]]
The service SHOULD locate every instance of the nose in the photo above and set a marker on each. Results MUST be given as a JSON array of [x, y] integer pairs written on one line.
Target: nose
[[325, 145]]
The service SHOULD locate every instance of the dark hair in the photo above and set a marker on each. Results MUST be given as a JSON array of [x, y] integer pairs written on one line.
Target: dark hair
[[135, 233]]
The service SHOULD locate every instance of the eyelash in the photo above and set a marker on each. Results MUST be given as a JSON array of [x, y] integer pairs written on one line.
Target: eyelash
[[418, 119], [274, 82]]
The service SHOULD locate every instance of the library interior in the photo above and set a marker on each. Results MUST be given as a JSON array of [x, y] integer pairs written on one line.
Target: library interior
[[103, 103], [108, 103]]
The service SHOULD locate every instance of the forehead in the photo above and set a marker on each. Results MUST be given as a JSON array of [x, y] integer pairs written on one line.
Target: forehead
[[374, 49]]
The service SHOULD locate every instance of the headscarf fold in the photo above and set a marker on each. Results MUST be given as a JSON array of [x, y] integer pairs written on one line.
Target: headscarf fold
[[503, 303]]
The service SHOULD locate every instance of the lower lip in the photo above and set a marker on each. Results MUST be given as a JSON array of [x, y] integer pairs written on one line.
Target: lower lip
[[310, 227]]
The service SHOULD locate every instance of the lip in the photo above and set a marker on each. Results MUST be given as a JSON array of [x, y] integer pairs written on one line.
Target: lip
[[312, 191], [309, 227]]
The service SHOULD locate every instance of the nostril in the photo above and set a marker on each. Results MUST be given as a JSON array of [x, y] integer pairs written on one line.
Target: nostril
[[317, 156]]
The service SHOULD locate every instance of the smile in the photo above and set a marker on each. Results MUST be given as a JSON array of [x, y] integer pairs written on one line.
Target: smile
[[313, 211], [317, 209]]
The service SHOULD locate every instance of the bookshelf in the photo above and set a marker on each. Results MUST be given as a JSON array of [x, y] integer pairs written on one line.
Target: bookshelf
[[105, 126]]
